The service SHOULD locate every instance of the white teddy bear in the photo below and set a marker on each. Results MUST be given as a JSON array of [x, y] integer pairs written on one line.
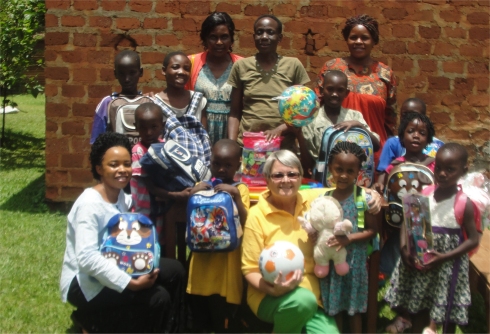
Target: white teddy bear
[[326, 218]]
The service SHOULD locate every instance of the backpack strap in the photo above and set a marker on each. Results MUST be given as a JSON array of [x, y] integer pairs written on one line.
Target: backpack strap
[[361, 206], [194, 104]]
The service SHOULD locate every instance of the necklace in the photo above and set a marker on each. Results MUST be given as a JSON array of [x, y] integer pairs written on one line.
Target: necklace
[[271, 71]]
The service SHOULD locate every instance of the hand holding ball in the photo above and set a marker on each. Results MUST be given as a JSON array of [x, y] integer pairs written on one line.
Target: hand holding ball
[[281, 256], [298, 105]]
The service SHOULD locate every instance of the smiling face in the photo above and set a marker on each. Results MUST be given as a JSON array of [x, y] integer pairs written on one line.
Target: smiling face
[[334, 90], [285, 186], [344, 169], [115, 169], [360, 42], [127, 72], [218, 42], [177, 71], [415, 136], [449, 168], [266, 35]]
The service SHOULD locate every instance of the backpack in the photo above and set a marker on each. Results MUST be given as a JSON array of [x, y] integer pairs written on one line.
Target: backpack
[[213, 223], [131, 242], [121, 115], [406, 178], [331, 137]]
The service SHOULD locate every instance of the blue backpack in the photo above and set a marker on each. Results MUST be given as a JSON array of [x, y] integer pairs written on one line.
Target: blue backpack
[[213, 223], [355, 135], [131, 242]]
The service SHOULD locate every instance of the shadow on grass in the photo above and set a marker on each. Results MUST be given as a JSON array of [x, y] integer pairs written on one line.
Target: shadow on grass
[[30, 199], [21, 150]]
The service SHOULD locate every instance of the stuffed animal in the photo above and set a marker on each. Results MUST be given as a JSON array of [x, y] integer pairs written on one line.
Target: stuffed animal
[[326, 218]]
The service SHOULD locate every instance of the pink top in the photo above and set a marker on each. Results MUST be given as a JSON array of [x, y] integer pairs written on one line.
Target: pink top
[[402, 159]]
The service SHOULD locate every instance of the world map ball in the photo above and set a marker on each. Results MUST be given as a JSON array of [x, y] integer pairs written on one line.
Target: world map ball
[[280, 256], [298, 105]]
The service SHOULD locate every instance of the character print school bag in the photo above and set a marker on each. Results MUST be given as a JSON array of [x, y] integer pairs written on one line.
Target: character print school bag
[[330, 138], [213, 223], [131, 242], [406, 178], [121, 115]]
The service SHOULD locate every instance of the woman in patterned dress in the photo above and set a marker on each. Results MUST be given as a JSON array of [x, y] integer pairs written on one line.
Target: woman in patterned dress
[[210, 71], [371, 83]]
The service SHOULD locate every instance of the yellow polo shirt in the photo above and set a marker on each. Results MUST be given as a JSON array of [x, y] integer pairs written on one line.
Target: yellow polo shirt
[[267, 224]]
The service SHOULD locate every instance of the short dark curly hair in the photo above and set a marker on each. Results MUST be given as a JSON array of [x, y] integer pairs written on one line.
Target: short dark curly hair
[[214, 20], [270, 16], [104, 142], [364, 20], [411, 116], [348, 147]]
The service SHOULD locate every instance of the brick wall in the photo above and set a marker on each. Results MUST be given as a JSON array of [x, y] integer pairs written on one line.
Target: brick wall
[[438, 49]]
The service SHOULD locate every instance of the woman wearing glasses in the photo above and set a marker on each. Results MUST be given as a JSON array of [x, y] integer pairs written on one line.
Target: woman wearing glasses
[[293, 305]]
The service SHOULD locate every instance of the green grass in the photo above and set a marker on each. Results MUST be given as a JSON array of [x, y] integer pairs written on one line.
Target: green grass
[[32, 239]]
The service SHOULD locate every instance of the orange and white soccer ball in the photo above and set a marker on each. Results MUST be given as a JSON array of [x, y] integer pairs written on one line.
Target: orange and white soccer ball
[[280, 256]]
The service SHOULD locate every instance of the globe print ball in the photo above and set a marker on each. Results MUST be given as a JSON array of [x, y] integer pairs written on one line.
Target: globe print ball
[[298, 105], [281, 256]]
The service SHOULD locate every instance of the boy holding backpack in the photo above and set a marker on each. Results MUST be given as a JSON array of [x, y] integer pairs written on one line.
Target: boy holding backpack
[[215, 278], [331, 113]]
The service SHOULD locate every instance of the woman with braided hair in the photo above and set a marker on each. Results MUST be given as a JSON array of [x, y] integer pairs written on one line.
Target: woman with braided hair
[[371, 83]]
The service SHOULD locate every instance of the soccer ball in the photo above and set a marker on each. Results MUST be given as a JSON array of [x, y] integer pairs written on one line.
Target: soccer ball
[[281, 256], [298, 105]]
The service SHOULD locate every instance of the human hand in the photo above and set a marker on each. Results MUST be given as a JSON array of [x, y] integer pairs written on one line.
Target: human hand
[[272, 134], [144, 281], [232, 190], [379, 187], [280, 288], [181, 195], [436, 259], [407, 258], [376, 201], [313, 237], [200, 186], [338, 241], [150, 94], [346, 125]]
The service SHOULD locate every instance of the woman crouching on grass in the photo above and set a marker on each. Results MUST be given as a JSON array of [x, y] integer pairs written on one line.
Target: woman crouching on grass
[[107, 298]]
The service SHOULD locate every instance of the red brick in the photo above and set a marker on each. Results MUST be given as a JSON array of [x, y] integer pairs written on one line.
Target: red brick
[[155, 23], [456, 135], [482, 84], [247, 41], [285, 43], [99, 91], [478, 68], [72, 21], [115, 5], [423, 15], [84, 75], [84, 39], [463, 86], [73, 90], [478, 18], [50, 20], [371, 11], [466, 115], [430, 32], [450, 15], [455, 32], [56, 177], [108, 39], [143, 6], [339, 11], [444, 49], [284, 10], [453, 66], [320, 27], [57, 4], [337, 45], [106, 74], [402, 64], [72, 56], [167, 6], [427, 65], [85, 4], [256, 10], [184, 25], [229, 8], [191, 39], [167, 40], [244, 24], [152, 57], [440, 118], [56, 110], [100, 21], [403, 30], [415, 82], [125, 42], [319, 11], [50, 55], [50, 90], [484, 2], [471, 51], [197, 8], [430, 99], [52, 193], [394, 47], [159, 75], [438, 83], [297, 27], [479, 100], [51, 126], [451, 100], [81, 176], [143, 39], [83, 109], [395, 13], [56, 73], [73, 128], [52, 160], [100, 57], [127, 23], [56, 38], [70, 193], [317, 62], [81, 144], [479, 33], [56, 145]]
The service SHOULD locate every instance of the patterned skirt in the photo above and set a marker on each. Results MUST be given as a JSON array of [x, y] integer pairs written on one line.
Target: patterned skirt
[[217, 126], [414, 290]]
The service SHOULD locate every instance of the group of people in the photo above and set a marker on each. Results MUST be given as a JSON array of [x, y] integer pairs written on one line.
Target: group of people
[[229, 95]]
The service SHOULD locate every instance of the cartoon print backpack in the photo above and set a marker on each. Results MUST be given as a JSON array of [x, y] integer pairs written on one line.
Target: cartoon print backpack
[[354, 135], [131, 242], [121, 115], [213, 223], [406, 178]]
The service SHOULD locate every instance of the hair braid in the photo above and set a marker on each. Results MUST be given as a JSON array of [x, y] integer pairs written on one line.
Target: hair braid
[[364, 20], [347, 147]]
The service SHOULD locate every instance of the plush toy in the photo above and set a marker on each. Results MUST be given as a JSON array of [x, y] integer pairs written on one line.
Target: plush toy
[[326, 218]]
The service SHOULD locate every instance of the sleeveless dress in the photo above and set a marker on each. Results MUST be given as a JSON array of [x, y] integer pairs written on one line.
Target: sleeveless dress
[[415, 290], [350, 292]]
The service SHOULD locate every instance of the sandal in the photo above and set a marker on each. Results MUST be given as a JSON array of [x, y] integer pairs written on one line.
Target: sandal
[[428, 330], [399, 325]]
